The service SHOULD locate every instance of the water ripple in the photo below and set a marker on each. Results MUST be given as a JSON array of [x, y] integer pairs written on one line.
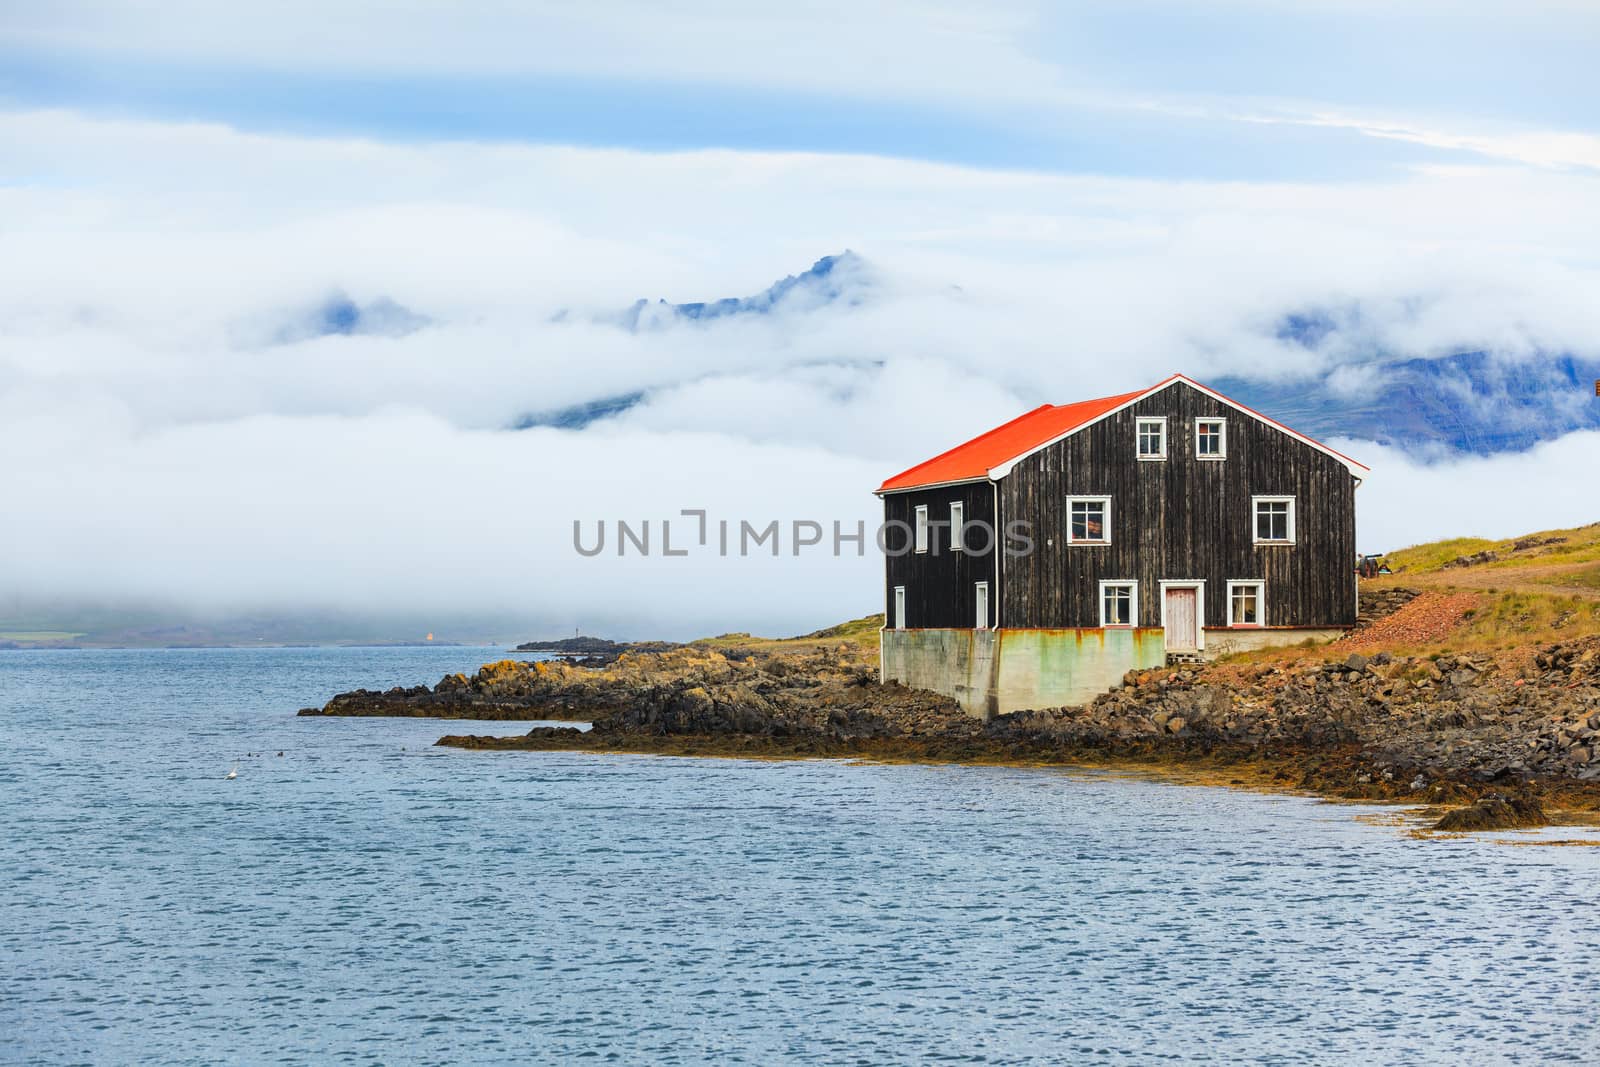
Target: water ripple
[[366, 897]]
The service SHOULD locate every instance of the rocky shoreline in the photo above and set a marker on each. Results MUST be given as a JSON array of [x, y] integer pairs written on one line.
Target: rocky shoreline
[[504, 691], [1443, 730]]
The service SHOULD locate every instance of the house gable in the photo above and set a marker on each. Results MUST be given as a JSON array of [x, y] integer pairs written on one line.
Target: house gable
[[1001, 469], [1185, 517], [992, 455]]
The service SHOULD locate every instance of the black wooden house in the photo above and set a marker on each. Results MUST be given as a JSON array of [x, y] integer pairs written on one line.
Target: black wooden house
[[1171, 509]]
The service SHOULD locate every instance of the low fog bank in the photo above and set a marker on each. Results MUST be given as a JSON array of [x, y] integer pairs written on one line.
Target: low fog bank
[[187, 417]]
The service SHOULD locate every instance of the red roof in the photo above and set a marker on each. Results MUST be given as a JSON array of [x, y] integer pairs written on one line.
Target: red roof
[[1027, 433], [972, 460]]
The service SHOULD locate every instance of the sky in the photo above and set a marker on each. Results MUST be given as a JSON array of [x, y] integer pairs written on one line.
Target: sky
[[1049, 202]]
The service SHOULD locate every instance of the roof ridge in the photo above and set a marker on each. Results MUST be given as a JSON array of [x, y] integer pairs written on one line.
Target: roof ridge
[[1081, 413]]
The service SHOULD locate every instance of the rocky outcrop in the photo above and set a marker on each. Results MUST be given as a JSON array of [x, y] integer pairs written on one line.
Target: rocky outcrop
[[1489, 555], [593, 646], [686, 690], [1437, 729], [508, 689], [1441, 729], [1494, 812], [1380, 603], [1476, 559], [1450, 715]]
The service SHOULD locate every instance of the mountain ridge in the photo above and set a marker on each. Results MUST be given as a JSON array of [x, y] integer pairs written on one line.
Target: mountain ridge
[[1470, 402]]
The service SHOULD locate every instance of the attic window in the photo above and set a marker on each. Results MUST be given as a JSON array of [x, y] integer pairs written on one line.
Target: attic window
[[1152, 438], [1274, 519], [1088, 520], [1211, 438]]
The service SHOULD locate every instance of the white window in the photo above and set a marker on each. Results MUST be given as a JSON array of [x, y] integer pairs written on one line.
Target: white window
[[1088, 520], [1119, 603], [1152, 438], [1273, 519], [1247, 603], [899, 620], [1211, 438], [922, 528], [958, 526], [981, 595]]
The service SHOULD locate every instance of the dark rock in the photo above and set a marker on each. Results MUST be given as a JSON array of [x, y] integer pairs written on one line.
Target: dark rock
[[1494, 812]]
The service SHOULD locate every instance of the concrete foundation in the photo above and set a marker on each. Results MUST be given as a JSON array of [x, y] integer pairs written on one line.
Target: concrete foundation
[[991, 672], [1220, 642]]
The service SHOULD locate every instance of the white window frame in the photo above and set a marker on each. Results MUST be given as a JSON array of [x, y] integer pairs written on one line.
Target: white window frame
[[1222, 434], [1255, 519], [1133, 603], [898, 606], [1105, 525], [1261, 603], [981, 606], [958, 524], [1139, 425], [920, 527]]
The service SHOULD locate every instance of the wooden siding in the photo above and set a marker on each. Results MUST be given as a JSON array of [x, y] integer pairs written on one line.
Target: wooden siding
[[1181, 518], [940, 584]]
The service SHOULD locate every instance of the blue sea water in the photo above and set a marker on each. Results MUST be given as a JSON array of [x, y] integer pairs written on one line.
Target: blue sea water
[[366, 897]]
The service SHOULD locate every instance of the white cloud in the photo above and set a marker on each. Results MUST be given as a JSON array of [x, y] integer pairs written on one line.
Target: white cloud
[[898, 48], [1408, 502], [402, 512], [1535, 147], [159, 448], [990, 62]]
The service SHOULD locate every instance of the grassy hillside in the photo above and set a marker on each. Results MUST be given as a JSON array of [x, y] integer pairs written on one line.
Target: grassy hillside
[[1522, 591], [1549, 557], [862, 633]]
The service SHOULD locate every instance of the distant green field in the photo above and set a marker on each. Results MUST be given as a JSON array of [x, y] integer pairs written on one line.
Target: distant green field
[[37, 635]]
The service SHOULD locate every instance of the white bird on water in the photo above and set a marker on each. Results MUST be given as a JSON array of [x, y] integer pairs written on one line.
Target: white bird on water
[[234, 773]]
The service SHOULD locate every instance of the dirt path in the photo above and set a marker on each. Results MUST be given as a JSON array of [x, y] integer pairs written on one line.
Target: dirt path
[[1430, 617]]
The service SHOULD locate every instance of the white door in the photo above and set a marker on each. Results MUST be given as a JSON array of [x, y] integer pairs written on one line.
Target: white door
[[899, 607], [1181, 617], [983, 605]]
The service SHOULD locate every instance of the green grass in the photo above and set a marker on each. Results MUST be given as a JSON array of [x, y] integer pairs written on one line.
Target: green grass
[[1421, 559], [1581, 544], [1586, 578], [864, 628], [1522, 619], [862, 631]]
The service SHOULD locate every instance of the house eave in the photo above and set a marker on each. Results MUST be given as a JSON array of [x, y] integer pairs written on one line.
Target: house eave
[[881, 492]]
